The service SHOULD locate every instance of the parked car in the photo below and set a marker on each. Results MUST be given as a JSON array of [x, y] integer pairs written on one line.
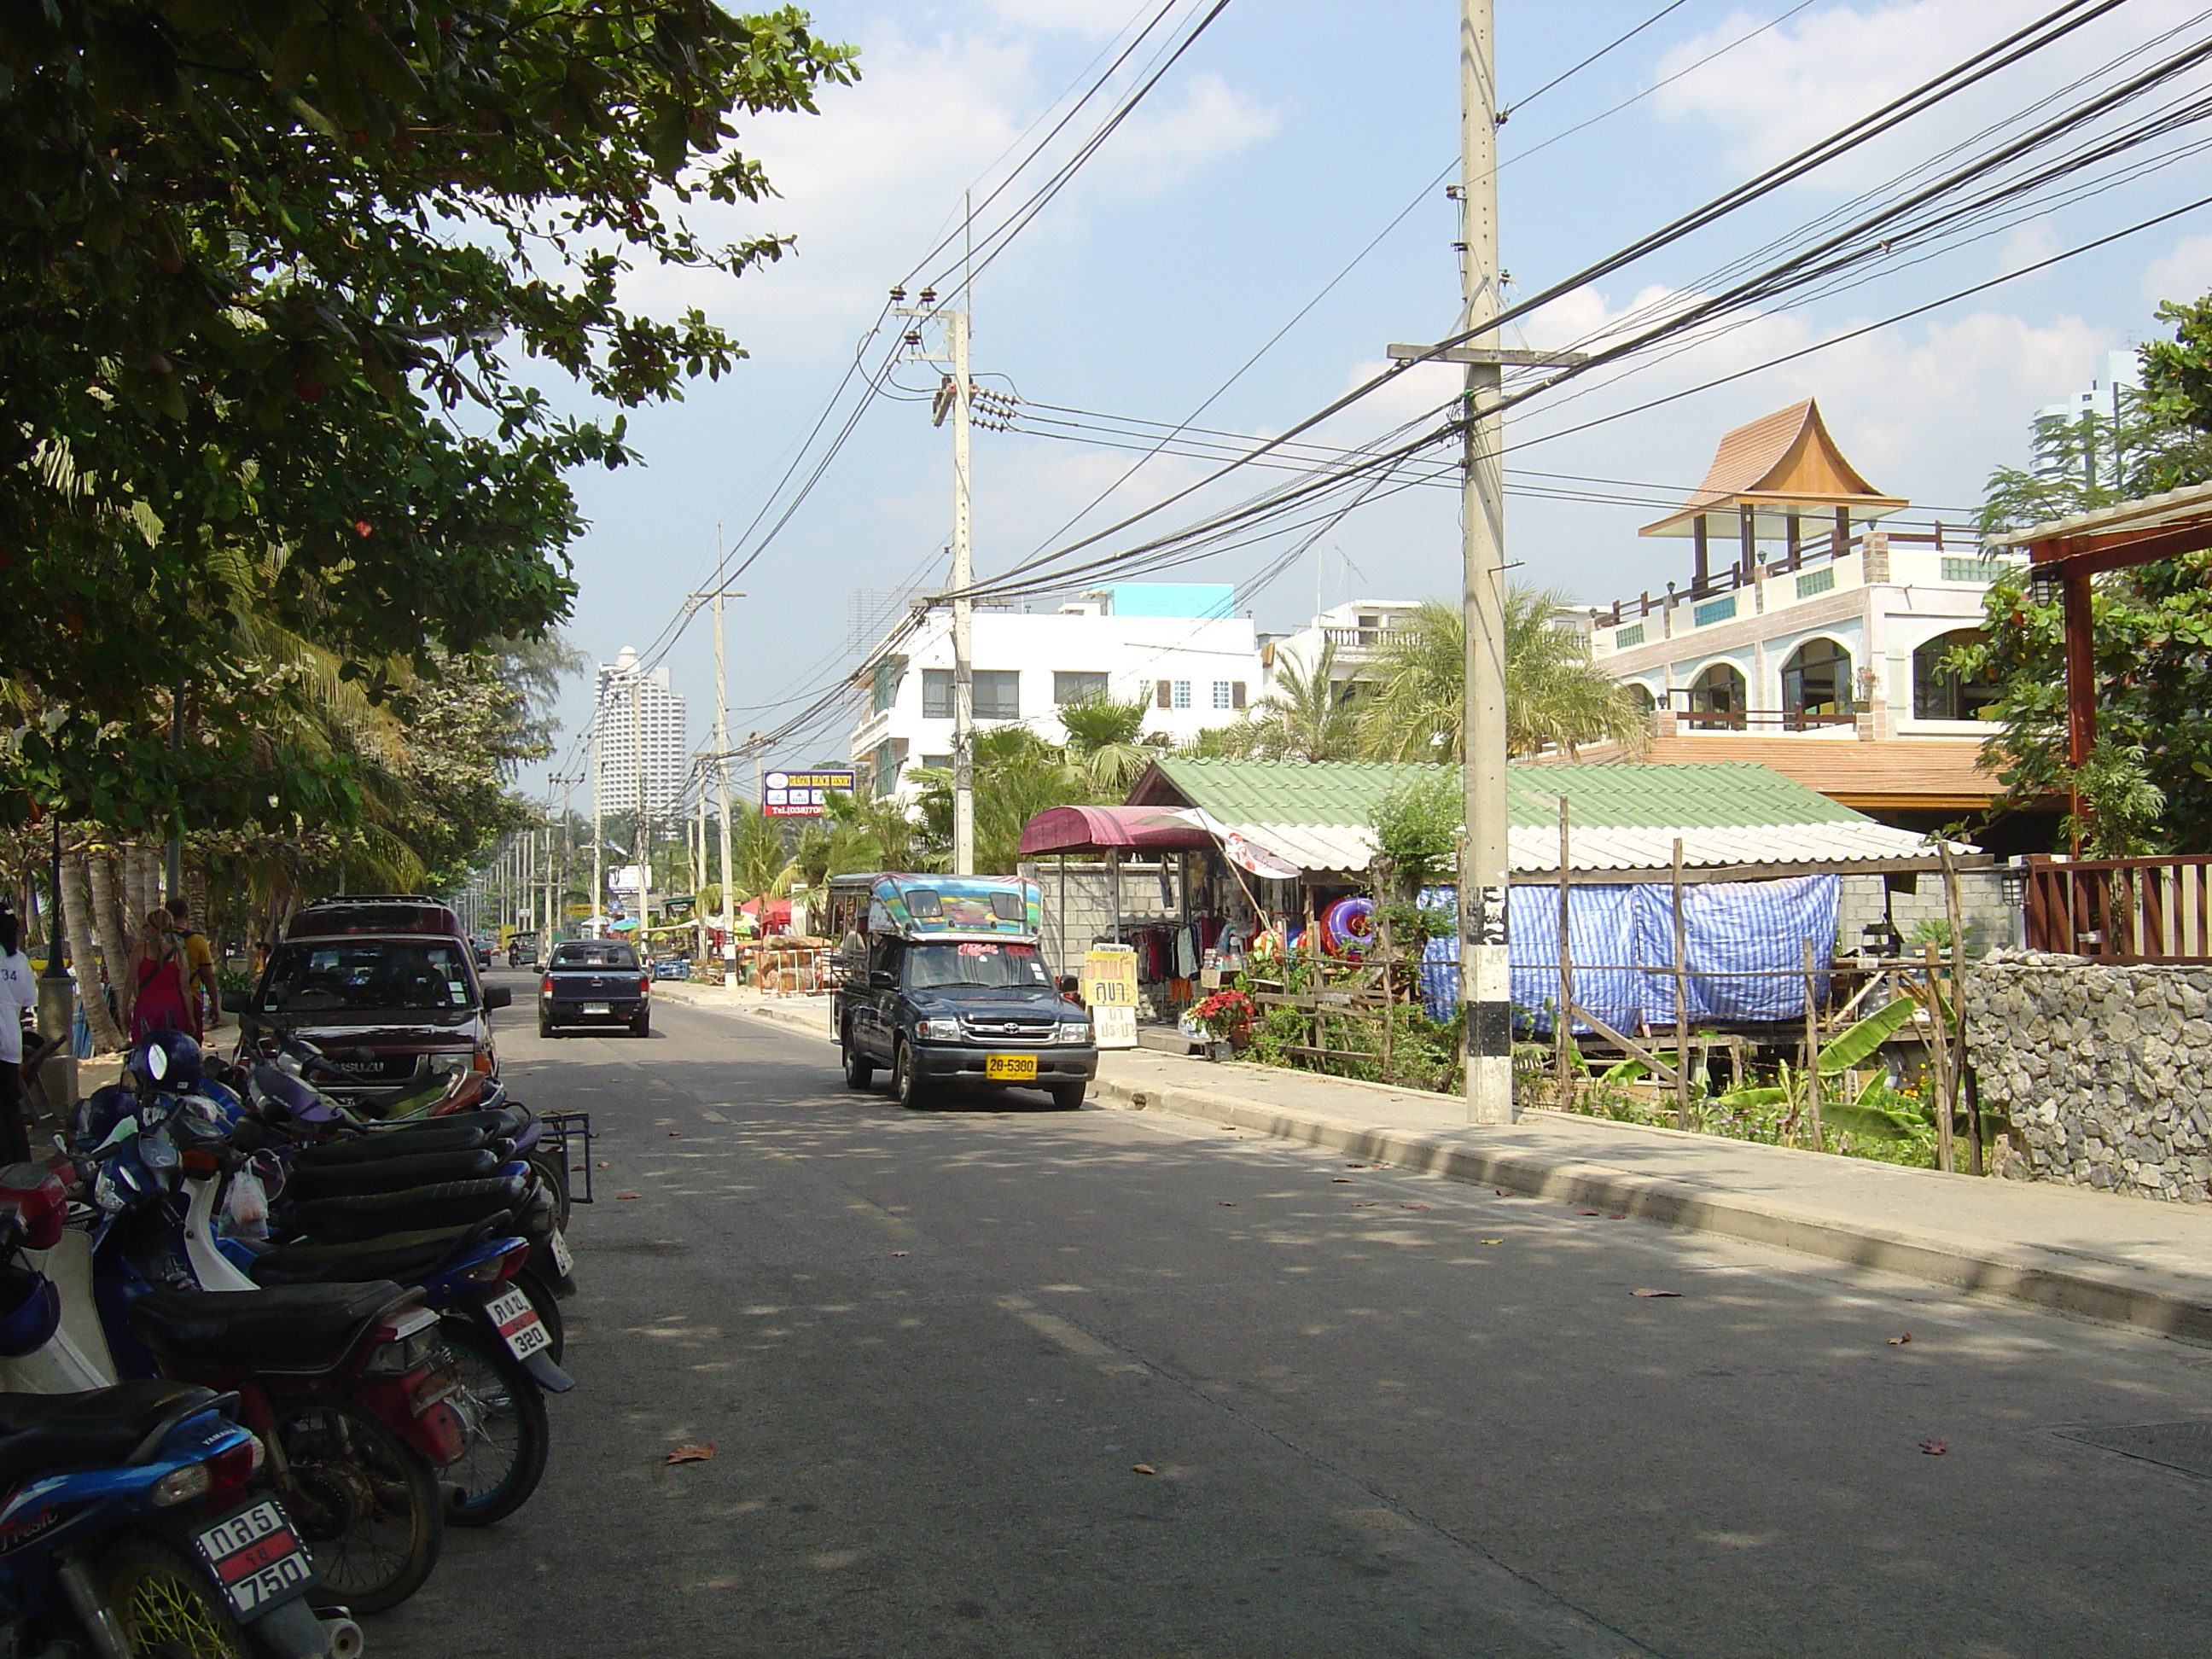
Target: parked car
[[947, 983], [594, 982], [388, 992]]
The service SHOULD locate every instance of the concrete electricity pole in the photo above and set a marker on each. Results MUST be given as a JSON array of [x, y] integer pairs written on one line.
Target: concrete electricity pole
[[955, 398], [568, 847], [722, 782], [640, 849], [598, 829]]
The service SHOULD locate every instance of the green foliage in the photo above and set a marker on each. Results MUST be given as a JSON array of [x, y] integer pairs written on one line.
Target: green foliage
[[1416, 829], [1308, 715], [2151, 627], [1555, 698], [1103, 741], [1856, 1046], [271, 277]]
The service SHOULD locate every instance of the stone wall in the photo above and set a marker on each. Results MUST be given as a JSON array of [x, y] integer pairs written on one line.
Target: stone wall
[[2105, 1073]]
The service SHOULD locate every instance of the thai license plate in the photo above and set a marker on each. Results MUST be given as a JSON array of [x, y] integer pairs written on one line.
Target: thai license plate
[[256, 1557], [519, 1327], [597, 1008], [1009, 1068], [561, 1259]]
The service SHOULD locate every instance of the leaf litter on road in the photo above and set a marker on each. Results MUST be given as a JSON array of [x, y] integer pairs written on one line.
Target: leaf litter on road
[[699, 1454], [1143, 1468], [1934, 1447], [1674, 1293], [1900, 1341]]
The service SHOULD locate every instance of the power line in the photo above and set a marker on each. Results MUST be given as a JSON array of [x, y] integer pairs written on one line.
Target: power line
[[1674, 5]]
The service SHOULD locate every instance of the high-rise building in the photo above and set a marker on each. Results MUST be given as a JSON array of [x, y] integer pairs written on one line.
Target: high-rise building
[[644, 740], [2076, 436]]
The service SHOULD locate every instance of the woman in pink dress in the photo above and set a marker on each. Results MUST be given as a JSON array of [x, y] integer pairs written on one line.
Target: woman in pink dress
[[163, 1002]]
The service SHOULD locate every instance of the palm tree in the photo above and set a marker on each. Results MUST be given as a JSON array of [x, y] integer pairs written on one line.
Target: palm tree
[[1103, 742], [1555, 698], [1306, 716]]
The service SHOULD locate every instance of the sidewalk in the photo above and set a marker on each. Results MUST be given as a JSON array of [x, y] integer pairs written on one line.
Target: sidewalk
[[2124, 1261]]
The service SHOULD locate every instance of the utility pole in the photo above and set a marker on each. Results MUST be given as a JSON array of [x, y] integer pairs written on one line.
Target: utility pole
[[566, 879], [640, 850], [598, 829], [954, 398], [722, 782], [699, 873]]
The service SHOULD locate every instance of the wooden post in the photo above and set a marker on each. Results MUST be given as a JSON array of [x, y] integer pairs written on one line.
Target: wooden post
[[1955, 908], [1563, 1019], [1812, 1051], [1681, 1001], [1940, 1052]]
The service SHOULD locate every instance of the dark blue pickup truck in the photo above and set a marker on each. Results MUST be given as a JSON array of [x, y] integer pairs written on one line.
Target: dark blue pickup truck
[[594, 982]]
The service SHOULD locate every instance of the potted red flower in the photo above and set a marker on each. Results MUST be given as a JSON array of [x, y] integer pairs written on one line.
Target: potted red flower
[[1227, 1016]]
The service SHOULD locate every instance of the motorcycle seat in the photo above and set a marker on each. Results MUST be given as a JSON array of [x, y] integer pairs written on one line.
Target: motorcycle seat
[[298, 1327], [382, 1147], [391, 1175], [369, 1215], [42, 1433], [403, 1258]]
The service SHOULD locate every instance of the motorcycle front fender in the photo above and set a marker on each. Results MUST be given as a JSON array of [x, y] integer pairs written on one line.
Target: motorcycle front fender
[[547, 1375]]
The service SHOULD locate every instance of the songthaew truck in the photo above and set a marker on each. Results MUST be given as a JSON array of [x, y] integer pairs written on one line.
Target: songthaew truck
[[944, 981]]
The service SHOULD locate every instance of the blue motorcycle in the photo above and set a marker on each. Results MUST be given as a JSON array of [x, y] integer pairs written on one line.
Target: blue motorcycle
[[133, 1519]]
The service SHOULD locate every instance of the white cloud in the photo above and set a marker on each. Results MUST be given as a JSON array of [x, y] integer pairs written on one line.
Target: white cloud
[[874, 181], [2028, 245], [2183, 274], [1794, 85], [1092, 17]]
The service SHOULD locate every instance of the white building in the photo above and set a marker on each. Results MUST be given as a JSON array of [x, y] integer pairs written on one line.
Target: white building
[[644, 742], [2089, 417], [1819, 650], [1357, 630], [1174, 644]]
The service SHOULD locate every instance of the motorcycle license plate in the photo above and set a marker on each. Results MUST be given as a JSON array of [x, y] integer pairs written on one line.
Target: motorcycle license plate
[[256, 1557], [1009, 1068], [561, 1259], [597, 1008], [519, 1327]]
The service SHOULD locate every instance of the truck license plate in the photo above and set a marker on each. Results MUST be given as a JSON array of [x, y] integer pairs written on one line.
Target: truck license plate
[[1009, 1068], [255, 1556], [597, 1008]]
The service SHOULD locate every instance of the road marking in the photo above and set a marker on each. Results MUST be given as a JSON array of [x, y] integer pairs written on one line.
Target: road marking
[[1070, 1337], [712, 1117]]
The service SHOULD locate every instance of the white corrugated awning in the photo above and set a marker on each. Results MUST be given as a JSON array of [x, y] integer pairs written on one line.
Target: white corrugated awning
[[1349, 848]]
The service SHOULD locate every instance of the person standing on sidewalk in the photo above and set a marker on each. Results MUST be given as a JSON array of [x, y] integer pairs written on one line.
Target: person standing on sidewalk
[[19, 991], [199, 960], [165, 999]]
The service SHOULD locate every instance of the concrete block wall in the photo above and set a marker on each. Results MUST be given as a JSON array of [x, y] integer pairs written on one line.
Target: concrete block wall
[[1089, 903], [1991, 923]]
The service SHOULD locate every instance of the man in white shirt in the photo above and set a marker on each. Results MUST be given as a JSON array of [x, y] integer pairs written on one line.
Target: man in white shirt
[[19, 990]]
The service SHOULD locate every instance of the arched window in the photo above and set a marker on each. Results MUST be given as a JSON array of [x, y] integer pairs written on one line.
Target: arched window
[[1640, 695], [1816, 686], [1717, 698], [1939, 695]]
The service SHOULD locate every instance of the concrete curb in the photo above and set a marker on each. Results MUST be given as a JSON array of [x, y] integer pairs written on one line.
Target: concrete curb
[[2139, 1297]]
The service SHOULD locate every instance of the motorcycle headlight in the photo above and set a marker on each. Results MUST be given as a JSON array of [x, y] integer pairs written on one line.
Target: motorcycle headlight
[[1075, 1034], [940, 1031]]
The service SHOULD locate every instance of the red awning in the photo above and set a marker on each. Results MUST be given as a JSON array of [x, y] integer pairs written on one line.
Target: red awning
[[1109, 828], [773, 913]]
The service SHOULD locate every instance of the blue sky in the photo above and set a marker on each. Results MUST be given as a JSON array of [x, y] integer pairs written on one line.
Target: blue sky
[[1288, 136]]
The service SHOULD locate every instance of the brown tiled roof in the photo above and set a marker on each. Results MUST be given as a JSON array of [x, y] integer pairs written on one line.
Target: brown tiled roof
[[1785, 456]]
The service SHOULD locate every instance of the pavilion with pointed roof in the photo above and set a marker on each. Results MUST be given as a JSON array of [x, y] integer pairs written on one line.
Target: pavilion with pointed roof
[[1773, 479]]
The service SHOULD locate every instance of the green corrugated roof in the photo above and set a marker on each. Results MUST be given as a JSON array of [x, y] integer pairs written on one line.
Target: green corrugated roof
[[1610, 795]]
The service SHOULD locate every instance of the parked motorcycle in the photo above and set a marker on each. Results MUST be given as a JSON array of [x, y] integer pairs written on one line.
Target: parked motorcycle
[[134, 1518]]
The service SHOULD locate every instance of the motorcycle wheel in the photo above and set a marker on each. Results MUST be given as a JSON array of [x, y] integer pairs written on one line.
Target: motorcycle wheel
[[162, 1603], [552, 1168], [549, 1310], [366, 1502], [503, 1410]]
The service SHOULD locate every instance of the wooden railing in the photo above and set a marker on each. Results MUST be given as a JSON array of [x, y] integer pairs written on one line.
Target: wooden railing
[[2121, 910]]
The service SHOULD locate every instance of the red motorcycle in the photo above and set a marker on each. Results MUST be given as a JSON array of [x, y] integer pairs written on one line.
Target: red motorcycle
[[348, 1385]]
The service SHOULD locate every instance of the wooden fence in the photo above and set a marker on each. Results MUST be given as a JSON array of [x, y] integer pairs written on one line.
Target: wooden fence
[[2121, 910]]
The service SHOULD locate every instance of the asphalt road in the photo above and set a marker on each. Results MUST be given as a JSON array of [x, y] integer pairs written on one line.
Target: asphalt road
[[1375, 1414]]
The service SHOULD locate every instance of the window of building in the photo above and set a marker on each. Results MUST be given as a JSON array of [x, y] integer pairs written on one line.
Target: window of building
[[1623, 638], [1182, 695], [1938, 694], [885, 764], [884, 686], [1816, 685], [938, 762], [998, 694], [1076, 687], [1221, 694], [1641, 696], [1717, 698]]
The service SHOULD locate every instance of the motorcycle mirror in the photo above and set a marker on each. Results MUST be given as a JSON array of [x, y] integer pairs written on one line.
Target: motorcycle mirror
[[238, 1002]]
